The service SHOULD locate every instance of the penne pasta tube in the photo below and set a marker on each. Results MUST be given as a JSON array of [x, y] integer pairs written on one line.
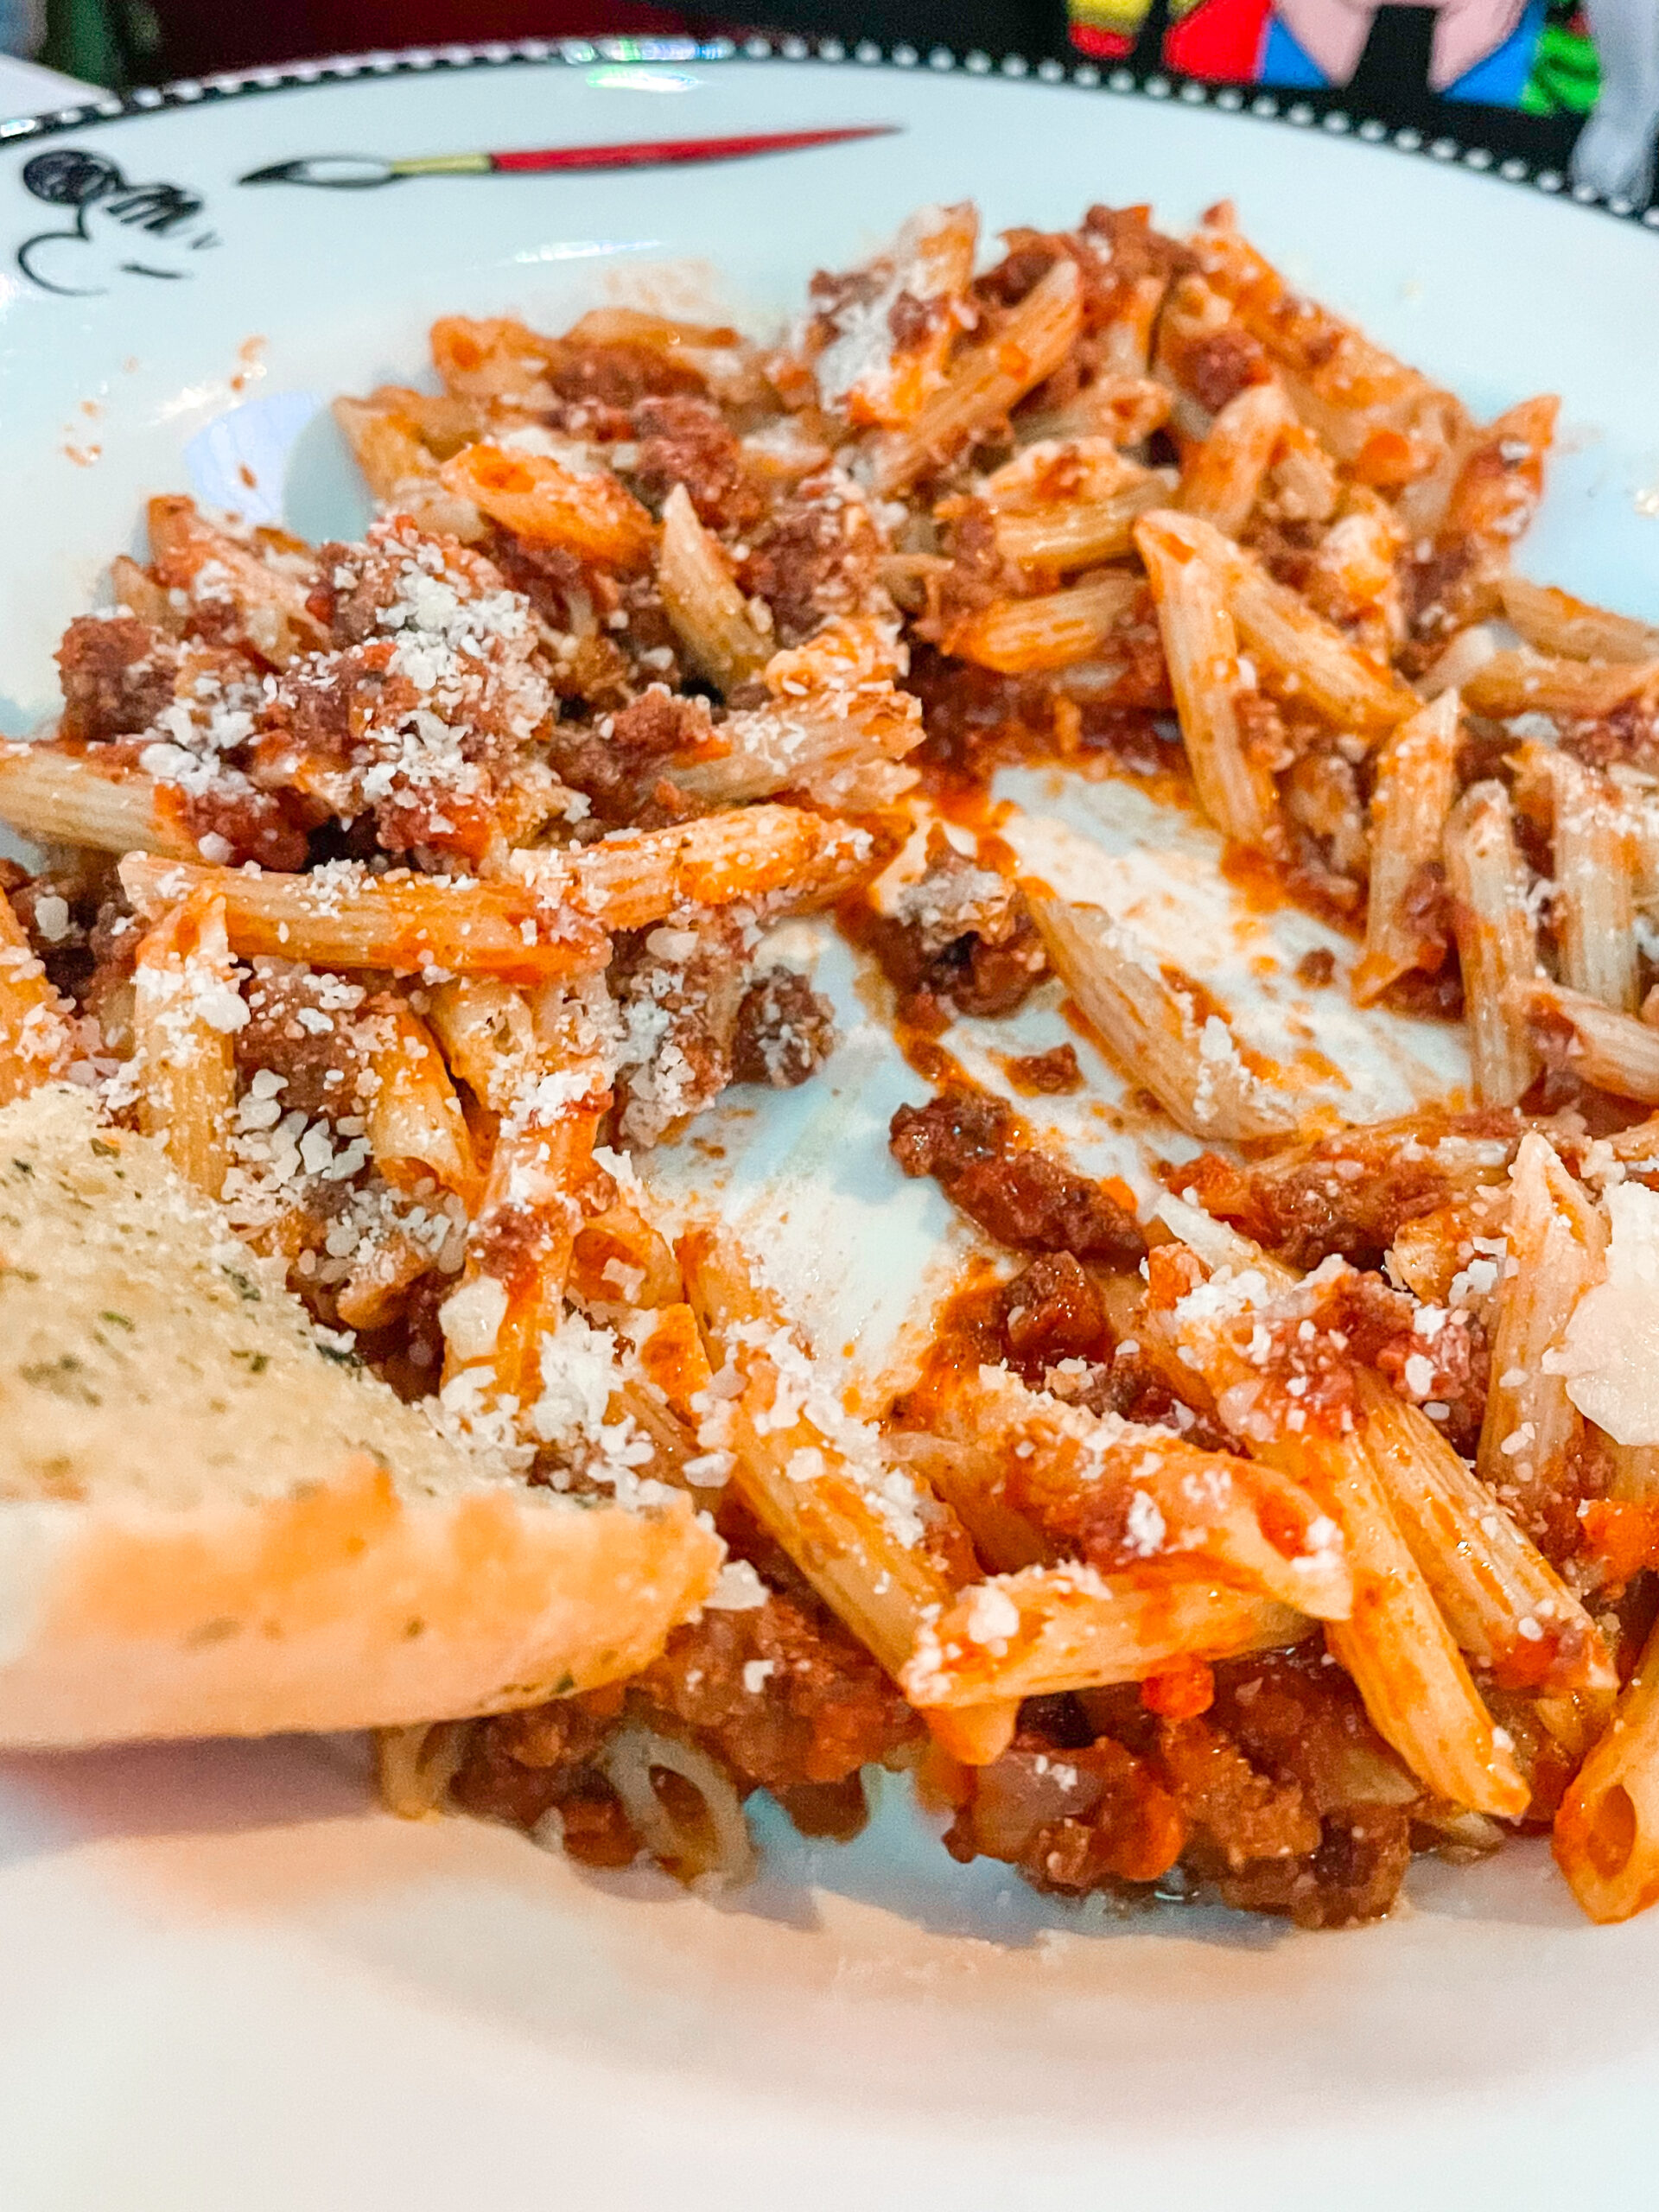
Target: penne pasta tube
[[1024, 636], [1354, 578], [187, 1008], [96, 797], [1614, 1052], [1505, 1604], [844, 749], [970, 1472], [545, 500], [1049, 1629], [487, 1031], [259, 605], [1191, 1063], [1201, 649], [494, 359], [1077, 533], [1606, 1834], [35, 1034], [709, 613], [1125, 407], [1553, 622], [510, 1299], [1371, 411], [1147, 1493], [1221, 477], [1305, 486], [1416, 782], [1397, 1646], [622, 1259], [1557, 1240], [344, 916], [1499, 482], [985, 379], [1310, 659], [878, 368], [416, 1129], [637, 876], [1595, 868], [1065, 503], [400, 468], [1496, 941], [1510, 683], [862, 1532]]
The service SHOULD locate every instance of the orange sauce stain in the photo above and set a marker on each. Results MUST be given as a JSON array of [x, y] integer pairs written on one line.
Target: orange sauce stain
[[250, 354]]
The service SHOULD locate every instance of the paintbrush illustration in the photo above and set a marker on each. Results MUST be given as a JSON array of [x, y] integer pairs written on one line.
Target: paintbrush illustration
[[360, 172]]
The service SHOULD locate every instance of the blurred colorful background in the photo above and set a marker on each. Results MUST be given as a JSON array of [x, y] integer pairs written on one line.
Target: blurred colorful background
[[1518, 77]]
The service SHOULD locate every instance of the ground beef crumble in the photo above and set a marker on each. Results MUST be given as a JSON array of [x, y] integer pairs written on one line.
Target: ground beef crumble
[[972, 1146], [786, 1031], [1280, 1798]]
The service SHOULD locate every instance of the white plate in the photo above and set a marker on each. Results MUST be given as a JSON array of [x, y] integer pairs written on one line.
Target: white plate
[[227, 1982]]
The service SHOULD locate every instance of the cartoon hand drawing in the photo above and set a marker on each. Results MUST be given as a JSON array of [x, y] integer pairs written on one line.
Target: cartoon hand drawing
[[111, 228]]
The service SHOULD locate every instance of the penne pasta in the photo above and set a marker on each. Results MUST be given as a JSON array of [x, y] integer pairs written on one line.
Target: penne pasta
[[510, 1303], [57, 795], [1553, 622], [1150, 1495], [709, 613], [1222, 478], [1596, 878], [1496, 941], [186, 1009], [1510, 683], [1310, 660], [1049, 1629], [400, 468], [1499, 484], [416, 1129], [494, 359], [929, 265], [1416, 782], [1152, 1027], [1201, 651], [487, 1030], [842, 749], [1507, 1607], [1606, 1834], [1396, 1646], [984, 381], [344, 916], [1076, 534], [257, 604], [638, 876], [35, 1034], [1557, 1240], [588, 511], [813, 1477], [1614, 1052], [1022, 637], [1065, 503]]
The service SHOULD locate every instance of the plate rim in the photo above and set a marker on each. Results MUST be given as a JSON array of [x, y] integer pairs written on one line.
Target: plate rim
[[1322, 113]]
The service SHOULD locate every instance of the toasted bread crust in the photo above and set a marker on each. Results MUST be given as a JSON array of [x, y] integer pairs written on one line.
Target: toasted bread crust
[[346, 1607]]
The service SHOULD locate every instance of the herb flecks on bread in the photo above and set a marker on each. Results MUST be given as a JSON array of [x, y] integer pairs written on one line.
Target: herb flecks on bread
[[212, 1520]]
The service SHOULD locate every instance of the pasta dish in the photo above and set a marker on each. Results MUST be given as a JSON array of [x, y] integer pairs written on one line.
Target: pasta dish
[[408, 892]]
